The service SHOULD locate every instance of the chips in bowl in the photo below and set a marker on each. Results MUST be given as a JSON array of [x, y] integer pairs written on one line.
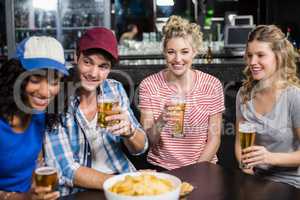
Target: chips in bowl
[[142, 186]]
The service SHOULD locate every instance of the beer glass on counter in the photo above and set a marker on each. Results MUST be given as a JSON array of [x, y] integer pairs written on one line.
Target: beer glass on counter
[[177, 107], [247, 134], [107, 105], [46, 176]]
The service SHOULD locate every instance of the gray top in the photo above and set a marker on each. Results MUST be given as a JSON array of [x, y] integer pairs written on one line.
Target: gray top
[[275, 132]]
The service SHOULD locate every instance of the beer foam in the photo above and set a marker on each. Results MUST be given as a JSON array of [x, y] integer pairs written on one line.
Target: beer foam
[[177, 99], [45, 170], [246, 127], [109, 101]]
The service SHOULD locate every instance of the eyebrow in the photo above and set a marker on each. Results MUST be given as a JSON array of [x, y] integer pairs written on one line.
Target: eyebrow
[[184, 49], [256, 52]]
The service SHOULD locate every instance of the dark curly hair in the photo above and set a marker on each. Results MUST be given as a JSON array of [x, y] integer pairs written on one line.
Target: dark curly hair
[[9, 73]]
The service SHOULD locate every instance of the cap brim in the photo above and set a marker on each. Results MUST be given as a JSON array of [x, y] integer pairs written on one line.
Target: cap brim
[[95, 46], [43, 63]]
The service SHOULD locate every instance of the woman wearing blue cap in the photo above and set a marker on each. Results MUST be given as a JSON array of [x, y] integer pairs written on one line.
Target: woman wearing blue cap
[[28, 83]]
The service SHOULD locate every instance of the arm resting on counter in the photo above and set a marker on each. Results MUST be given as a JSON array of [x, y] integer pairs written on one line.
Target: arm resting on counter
[[89, 178]]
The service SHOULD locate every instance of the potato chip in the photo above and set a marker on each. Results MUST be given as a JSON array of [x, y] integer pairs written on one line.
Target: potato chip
[[186, 188], [142, 185]]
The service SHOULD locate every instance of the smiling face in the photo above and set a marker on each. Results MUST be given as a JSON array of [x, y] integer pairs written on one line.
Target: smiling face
[[261, 60], [179, 55], [93, 70], [40, 90]]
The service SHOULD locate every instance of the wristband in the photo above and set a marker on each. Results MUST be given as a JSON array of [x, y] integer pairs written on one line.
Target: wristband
[[131, 134]]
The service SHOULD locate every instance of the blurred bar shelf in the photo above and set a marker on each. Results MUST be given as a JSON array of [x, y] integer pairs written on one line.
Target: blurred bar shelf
[[225, 69], [220, 54]]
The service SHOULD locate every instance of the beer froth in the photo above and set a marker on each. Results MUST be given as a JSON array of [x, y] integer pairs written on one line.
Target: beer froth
[[45, 171]]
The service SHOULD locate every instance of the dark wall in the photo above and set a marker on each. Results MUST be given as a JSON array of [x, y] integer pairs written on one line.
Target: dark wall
[[2, 27], [284, 13], [137, 12]]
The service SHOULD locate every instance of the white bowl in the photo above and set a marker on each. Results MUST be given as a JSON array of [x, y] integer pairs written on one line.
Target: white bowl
[[172, 195]]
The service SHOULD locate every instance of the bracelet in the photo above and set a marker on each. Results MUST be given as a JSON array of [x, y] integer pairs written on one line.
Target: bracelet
[[132, 133]]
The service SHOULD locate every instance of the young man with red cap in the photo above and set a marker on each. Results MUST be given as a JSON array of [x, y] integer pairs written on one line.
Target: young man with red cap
[[85, 154]]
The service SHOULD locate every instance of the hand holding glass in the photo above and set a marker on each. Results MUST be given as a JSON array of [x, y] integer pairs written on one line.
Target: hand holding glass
[[176, 108], [107, 105], [247, 134]]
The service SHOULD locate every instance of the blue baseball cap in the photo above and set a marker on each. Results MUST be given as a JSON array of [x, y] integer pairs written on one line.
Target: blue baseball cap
[[41, 52]]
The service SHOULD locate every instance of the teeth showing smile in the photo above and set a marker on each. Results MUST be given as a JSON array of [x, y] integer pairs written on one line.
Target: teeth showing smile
[[177, 66], [40, 102], [256, 70], [90, 79]]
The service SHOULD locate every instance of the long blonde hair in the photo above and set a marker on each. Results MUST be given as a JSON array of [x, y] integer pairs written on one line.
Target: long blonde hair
[[178, 27], [285, 56]]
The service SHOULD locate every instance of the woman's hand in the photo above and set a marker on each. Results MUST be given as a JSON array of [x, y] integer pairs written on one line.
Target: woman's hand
[[169, 113], [256, 155], [44, 193]]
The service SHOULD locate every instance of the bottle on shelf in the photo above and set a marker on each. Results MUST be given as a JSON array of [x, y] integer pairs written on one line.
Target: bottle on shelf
[[290, 37], [209, 55]]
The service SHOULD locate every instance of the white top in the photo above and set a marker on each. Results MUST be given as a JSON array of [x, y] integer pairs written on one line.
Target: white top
[[100, 158]]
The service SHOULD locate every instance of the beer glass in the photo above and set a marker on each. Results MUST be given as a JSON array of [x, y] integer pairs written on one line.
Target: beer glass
[[177, 107], [107, 105], [247, 134], [46, 176]]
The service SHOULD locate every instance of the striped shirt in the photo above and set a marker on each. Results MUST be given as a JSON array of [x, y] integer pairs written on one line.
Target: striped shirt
[[205, 99], [67, 146]]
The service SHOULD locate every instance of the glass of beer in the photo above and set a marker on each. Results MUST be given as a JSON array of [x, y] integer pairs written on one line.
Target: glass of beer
[[107, 105], [177, 107], [46, 176], [247, 134]]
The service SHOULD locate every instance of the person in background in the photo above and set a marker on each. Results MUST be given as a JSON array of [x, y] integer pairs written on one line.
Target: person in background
[[270, 99], [28, 83], [130, 34], [85, 154], [204, 100]]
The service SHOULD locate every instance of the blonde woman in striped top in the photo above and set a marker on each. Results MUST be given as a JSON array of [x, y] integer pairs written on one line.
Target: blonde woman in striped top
[[203, 95]]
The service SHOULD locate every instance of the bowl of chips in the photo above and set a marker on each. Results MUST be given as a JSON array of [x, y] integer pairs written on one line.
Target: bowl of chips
[[142, 186]]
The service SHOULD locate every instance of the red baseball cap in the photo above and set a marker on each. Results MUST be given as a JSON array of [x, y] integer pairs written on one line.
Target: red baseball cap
[[99, 38]]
